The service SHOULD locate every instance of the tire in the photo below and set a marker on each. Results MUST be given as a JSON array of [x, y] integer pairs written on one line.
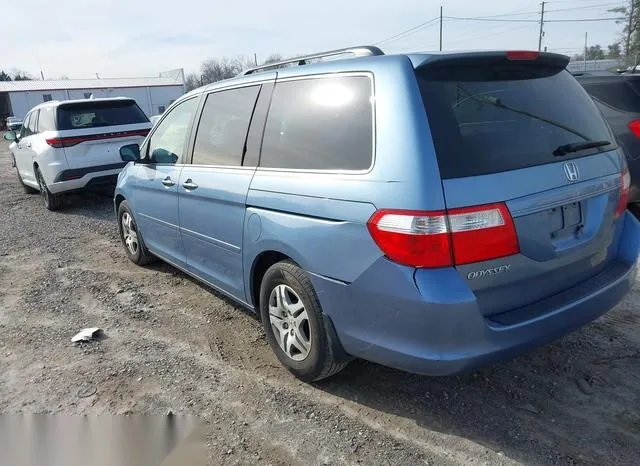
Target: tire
[[52, 202], [131, 238], [27, 189], [303, 345]]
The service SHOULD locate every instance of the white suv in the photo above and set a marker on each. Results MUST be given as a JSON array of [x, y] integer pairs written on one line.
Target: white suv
[[75, 144]]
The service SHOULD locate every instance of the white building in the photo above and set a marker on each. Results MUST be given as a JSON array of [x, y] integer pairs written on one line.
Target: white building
[[153, 95]]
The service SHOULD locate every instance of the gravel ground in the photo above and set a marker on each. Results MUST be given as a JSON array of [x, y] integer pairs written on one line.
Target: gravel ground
[[172, 344]]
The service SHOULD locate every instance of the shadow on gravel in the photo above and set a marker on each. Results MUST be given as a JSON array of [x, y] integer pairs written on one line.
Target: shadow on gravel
[[92, 204], [165, 268], [572, 402]]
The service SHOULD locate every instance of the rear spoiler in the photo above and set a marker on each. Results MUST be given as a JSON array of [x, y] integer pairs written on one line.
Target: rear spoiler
[[519, 57]]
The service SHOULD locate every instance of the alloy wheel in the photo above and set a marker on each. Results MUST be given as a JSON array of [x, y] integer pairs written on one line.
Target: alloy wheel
[[290, 322], [129, 233]]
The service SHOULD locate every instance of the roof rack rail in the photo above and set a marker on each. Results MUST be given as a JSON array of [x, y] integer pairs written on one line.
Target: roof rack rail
[[360, 51]]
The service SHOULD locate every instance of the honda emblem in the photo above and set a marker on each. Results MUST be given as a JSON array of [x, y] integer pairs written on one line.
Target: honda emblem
[[571, 170]]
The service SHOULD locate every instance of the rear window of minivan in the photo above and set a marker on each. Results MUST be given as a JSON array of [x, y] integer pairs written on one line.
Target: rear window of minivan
[[94, 114], [506, 117]]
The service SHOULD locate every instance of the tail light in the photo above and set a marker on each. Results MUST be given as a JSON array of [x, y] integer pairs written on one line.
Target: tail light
[[634, 126], [445, 238], [522, 55], [624, 193], [74, 140], [55, 142]]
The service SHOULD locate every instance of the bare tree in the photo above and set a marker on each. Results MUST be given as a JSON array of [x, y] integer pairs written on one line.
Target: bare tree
[[273, 58], [214, 69], [192, 81], [19, 75]]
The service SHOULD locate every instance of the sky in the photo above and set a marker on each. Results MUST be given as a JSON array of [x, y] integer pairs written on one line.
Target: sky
[[128, 38]]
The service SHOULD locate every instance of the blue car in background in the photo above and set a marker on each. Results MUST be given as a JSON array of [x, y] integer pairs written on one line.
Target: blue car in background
[[429, 212]]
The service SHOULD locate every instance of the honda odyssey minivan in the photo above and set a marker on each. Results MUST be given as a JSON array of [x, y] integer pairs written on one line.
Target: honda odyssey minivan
[[429, 212]]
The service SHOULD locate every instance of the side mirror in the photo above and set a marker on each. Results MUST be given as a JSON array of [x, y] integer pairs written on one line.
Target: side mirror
[[130, 153], [163, 156], [10, 136]]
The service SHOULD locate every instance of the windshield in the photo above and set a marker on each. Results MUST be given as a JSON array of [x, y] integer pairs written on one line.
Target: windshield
[[94, 114], [493, 119]]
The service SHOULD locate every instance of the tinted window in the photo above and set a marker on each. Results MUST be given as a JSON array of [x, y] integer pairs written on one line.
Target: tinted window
[[24, 131], [621, 94], [321, 124], [222, 131], [499, 118], [94, 114], [168, 141], [33, 122], [46, 120]]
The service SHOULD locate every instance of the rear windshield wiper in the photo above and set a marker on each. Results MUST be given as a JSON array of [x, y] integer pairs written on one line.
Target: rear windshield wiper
[[577, 146], [496, 102]]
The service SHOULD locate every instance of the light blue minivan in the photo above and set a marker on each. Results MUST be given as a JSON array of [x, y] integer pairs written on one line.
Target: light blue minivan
[[429, 212]]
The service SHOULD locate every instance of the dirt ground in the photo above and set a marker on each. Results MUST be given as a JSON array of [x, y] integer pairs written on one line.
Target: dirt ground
[[173, 344]]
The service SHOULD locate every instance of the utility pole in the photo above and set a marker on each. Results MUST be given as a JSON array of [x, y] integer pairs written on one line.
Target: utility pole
[[441, 28], [585, 51], [255, 58], [541, 24], [628, 47]]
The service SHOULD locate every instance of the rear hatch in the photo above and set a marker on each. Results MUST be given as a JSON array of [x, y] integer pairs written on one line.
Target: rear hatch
[[512, 133], [92, 132]]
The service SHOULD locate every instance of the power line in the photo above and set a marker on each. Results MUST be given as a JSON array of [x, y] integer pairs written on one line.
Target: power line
[[602, 5], [582, 20], [458, 18], [409, 31]]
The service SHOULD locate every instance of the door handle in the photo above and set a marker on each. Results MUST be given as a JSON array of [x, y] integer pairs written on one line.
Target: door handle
[[168, 182], [189, 185]]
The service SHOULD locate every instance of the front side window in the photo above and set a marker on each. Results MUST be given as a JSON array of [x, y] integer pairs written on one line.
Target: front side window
[[223, 127], [168, 141], [24, 131], [33, 123], [320, 124]]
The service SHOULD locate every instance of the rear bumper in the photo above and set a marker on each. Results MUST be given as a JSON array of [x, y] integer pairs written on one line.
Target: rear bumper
[[85, 178], [429, 323]]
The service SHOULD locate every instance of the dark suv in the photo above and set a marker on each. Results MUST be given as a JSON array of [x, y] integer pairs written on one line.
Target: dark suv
[[618, 97]]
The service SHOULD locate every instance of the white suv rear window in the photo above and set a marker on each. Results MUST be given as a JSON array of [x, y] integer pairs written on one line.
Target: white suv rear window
[[93, 114]]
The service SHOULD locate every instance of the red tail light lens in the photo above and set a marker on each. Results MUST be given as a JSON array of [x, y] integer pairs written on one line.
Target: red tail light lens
[[522, 55], [624, 193], [415, 238], [482, 233], [74, 140], [634, 126], [55, 142], [442, 239]]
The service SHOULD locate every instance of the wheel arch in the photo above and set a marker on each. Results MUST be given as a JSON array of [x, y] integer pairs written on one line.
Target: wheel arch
[[259, 266]]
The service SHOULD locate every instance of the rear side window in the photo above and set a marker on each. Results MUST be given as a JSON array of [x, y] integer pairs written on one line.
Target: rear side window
[[223, 127], [46, 120], [320, 124], [498, 118], [621, 94], [95, 114]]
